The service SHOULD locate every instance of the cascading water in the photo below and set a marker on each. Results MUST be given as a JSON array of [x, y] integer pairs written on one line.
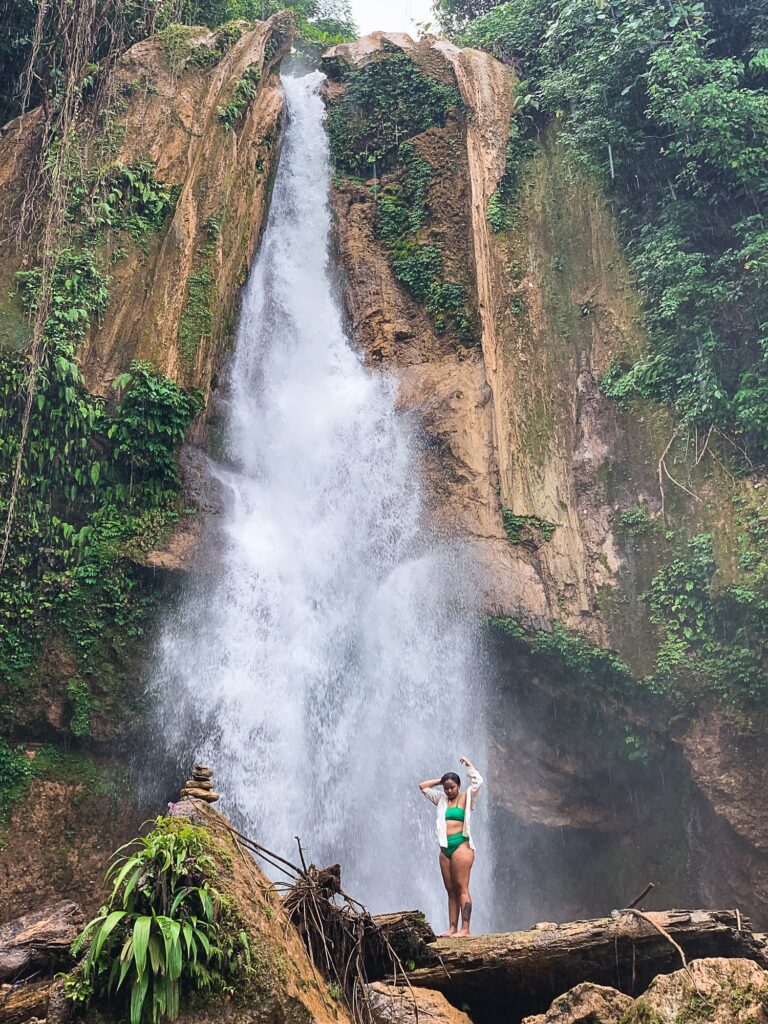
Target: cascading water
[[330, 661]]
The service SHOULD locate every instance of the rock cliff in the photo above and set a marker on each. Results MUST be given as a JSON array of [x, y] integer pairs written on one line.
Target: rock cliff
[[569, 504], [193, 126]]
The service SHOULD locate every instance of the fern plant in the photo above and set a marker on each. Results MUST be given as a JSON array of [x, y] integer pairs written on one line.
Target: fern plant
[[163, 929]]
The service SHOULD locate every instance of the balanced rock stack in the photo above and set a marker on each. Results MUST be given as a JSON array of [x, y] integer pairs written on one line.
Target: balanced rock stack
[[201, 785]]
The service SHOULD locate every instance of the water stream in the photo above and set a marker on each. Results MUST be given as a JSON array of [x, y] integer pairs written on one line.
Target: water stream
[[330, 660]]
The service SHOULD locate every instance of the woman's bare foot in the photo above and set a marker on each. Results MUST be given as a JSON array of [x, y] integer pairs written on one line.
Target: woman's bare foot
[[463, 934], [448, 935]]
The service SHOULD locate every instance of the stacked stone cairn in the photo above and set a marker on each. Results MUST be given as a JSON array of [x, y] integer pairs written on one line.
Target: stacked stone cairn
[[200, 785]]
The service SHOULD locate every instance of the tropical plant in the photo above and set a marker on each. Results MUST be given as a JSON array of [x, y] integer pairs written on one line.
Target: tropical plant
[[164, 929]]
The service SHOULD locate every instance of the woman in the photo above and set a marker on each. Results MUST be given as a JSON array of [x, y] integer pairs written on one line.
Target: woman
[[457, 851]]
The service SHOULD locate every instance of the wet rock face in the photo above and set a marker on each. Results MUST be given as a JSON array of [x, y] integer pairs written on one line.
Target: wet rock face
[[517, 422], [173, 302], [395, 1005], [59, 839], [585, 1004], [713, 991]]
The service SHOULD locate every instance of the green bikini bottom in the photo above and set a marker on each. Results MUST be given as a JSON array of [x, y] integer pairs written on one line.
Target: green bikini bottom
[[454, 842]]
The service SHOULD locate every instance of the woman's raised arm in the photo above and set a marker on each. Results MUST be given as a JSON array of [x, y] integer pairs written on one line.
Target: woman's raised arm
[[475, 779], [426, 788]]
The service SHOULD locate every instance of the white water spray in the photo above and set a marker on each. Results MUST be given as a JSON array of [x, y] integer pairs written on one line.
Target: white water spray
[[330, 661]]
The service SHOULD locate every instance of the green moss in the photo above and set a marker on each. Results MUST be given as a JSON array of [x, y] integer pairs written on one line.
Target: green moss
[[196, 322], [502, 206], [186, 50]]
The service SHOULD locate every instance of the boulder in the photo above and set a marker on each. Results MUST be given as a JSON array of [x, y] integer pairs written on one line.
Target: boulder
[[711, 991], [585, 1004], [38, 940], [395, 1005]]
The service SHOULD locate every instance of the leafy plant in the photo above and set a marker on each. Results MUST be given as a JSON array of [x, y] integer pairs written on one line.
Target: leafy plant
[[124, 198], [635, 521], [164, 929], [514, 525], [384, 104], [81, 707], [245, 90]]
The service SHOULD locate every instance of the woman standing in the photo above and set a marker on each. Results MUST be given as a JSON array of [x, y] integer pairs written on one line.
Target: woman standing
[[457, 851]]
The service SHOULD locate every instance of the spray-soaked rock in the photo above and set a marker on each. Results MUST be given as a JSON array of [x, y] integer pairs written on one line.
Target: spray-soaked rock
[[396, 1005], [585, 1004], [711, 991]]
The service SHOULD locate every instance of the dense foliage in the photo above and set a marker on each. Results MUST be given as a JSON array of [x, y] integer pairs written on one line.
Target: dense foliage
[[164, 931], [668, 106], [98, 480], [323, 22], [385, 103]]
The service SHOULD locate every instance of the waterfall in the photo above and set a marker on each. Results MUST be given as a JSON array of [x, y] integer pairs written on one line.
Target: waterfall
[[329, 660]]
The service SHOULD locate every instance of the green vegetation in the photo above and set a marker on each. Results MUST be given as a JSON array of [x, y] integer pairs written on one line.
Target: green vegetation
[[713, 632], [18, 769], [503, 202], [123, 198], [245, 91], [187, 52], [635, 521], [98, 482], [165, 930], [514, 524], [668, 108], [116, 24], [81, 707], [566, 653], [384, 104], [196, 320]]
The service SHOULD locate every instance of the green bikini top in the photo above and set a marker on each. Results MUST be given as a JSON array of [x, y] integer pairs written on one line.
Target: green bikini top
[[454, 814]]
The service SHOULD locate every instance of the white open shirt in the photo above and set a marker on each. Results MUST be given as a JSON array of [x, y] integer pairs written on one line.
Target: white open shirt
[[437, 796]]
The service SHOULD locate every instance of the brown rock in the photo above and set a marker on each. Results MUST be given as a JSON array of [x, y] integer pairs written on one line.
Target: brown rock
[[201, 794], [198, 784], [585, 1004], [712, 991], [38, 867], [27, 1002], [37, 939], [394, 1005]]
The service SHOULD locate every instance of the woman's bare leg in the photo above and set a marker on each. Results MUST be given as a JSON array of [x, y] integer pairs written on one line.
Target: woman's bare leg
[[453, 902], [461, 866]]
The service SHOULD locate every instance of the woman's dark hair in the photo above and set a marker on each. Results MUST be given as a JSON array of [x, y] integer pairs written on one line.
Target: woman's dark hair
[[450, 777]]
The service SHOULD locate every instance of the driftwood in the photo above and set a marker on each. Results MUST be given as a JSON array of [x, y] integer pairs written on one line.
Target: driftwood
[[514, 974], [38, 940]]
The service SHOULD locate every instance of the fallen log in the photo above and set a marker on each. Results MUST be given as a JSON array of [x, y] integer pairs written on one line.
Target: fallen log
[[508, 976], [407, 933], [37, 940]]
